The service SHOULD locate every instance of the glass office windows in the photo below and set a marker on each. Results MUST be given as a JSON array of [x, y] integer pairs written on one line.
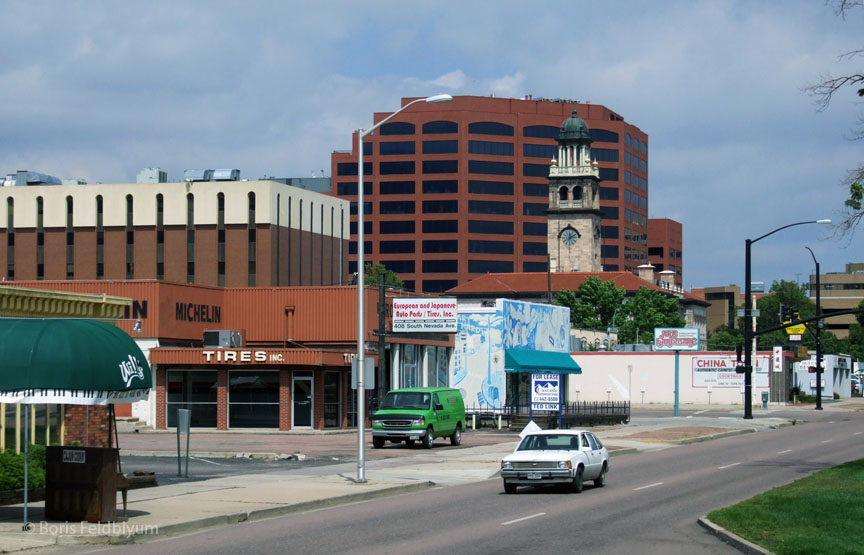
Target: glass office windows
[[541, 131], [535, 190], [534, 267], [627, 140], [352, 247], [367, 208], [438, 285], [478, 187], [626, 157], [535, 170], [626, 196], [393, 168], [440, 206], [627, 177], [610, 267], [367, 227], [604, 154], [349, 188], [440, 166], [440, 186], [253, 399], [490, 148], [398, 266], [609, 251], [440, 226], [538, 249], [444, 245], [535, 229], [396, 207], [490, 247], [433, 127], [409, 375], [609, 231], [490, 266], [396, 128], [546, 152], [396, 247], [408, 285], [441, 147], [643, 203], [194, 390], [490, 207], [396, 148], [534, 209], [491, 168], [490, 227], [603, 135], [609, 212], [608, 174], [396, 187], [440, 266], [350, 168], [395, 227], [609, 193], [490, 128]]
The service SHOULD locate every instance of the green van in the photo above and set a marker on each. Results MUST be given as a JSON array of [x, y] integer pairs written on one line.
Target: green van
[[419, 413]]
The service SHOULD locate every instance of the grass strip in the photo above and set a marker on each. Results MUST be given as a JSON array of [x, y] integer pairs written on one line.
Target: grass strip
[[821, 513]]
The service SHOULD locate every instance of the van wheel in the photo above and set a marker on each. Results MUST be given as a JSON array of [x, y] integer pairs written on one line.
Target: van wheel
[[428, 438], [377, 442], [456, 437]]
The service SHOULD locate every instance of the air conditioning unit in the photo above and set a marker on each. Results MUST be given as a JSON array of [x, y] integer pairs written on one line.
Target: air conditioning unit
[[223, 338]]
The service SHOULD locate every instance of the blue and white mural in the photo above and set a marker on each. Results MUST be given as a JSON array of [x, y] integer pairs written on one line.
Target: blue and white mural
[[484, 333]]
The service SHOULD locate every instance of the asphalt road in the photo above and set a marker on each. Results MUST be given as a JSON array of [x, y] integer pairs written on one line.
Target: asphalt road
[[650, 505]]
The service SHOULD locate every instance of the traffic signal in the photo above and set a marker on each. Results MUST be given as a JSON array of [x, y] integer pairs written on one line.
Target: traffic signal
[[738, 350], [788, 313]]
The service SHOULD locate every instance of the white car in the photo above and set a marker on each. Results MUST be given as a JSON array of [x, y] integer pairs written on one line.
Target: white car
[[547, 457]]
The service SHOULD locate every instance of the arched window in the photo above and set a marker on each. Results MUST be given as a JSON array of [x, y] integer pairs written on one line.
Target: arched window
[[563, 194], [577, 193]]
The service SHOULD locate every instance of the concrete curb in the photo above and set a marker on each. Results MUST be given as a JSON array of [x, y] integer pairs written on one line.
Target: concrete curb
[[734, 540], [236, 518], [721, 435]]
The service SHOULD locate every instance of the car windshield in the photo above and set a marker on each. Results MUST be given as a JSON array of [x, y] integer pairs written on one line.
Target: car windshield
[[406, 400], [546, 442]]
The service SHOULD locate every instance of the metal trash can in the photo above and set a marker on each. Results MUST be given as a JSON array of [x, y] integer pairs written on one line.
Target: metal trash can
[[764, 399]]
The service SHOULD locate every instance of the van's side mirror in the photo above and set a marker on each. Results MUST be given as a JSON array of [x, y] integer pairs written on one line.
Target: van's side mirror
[[439, 406]]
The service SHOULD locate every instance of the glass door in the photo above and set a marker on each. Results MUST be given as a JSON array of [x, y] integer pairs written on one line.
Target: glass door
[[301, 416]]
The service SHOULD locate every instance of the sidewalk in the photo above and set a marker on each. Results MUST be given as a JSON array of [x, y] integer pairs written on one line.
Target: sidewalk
[[188, 506]]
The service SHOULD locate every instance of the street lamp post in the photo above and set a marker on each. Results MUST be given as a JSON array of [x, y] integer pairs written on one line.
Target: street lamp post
[[818, 335], [361, 270], [748, 315]]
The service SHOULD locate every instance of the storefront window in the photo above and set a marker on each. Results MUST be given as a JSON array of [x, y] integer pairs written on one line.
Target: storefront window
[[443, 366], [332, 400], [194, 390], [409, 374], [253, 399]]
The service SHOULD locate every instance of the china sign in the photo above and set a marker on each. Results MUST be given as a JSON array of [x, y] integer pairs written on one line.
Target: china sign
[[676, 339], [424, 315], [545, 390], [719, 371]]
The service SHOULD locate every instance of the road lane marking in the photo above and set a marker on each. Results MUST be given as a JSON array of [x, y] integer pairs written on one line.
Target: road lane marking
[[700, 412], [521, 519], [783, 452], [728, 466], [857, 433], [649, 486], [205, 460], [828, 441]]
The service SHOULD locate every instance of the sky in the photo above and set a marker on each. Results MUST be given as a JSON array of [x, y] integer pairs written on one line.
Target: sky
[[98, 90]]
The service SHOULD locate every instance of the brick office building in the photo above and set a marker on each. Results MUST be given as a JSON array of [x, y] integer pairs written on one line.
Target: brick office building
[[666, 247], [460, 189]]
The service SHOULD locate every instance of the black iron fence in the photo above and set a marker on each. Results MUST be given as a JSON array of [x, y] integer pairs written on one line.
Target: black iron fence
[[586, 413]]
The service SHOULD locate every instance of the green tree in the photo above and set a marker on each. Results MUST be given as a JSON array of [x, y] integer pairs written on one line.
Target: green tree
[[370, 277], [725, 339], [824, 90], [644, 311], [595, 304]]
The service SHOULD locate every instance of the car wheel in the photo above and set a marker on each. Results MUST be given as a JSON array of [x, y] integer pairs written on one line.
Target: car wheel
[[377, 442], [509, 488], [456, 436], [428, 438], [600, 481], [409, 442], [577, 484]]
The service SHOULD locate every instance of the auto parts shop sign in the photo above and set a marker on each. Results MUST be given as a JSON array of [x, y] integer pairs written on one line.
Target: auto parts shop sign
[[719, 371], [424, 315]]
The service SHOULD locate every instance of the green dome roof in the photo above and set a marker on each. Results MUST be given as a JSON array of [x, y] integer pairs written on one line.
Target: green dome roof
[[574, 129]]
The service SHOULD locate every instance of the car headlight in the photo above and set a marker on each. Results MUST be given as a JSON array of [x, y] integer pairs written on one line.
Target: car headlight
[[565, 464], [506, 465], [419, 421]]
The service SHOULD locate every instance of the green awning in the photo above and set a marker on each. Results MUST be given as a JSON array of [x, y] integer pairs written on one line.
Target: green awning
[[521, 360], [85, 362]]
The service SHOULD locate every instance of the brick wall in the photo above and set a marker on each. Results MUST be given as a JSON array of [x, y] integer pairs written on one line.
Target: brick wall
[[86, 425]]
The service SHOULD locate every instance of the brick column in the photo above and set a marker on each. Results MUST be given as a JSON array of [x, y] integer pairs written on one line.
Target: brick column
[[285, 399], [222, 399], [161, 399]]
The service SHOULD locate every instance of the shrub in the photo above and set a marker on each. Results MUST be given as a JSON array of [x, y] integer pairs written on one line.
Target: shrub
[[12, 468]]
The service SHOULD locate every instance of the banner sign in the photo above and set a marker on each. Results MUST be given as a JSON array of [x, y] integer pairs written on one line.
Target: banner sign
[[545, 390], [424, 315], [719, 371], [676, 339], [778, 359]]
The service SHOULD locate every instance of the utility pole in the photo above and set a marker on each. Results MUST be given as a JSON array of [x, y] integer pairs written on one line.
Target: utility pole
[[382, 332]]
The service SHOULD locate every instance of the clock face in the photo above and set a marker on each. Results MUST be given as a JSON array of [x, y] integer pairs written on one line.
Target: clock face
[[569, 236]]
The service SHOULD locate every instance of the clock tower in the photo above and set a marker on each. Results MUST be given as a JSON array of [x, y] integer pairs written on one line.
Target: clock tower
[[574, 214]]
